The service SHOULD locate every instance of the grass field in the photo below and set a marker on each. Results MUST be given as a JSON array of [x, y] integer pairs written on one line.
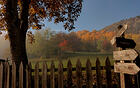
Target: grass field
[[74, 57]]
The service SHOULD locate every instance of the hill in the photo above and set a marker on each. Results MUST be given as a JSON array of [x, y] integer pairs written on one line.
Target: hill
[[133, 25]]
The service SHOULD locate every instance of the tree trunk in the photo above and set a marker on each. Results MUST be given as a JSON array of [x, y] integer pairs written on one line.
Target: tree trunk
[[17, 26], [18, 47]]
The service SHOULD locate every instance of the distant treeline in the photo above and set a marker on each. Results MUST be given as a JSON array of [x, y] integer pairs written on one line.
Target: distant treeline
[[49, 43]]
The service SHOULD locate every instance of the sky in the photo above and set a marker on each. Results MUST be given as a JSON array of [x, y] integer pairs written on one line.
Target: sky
[[96, 14]]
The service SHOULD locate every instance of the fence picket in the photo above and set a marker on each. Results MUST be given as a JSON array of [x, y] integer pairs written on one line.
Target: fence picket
[[128, 81], [78, 74], [1, 75], [36, 77], [5, 75], [52, 75], [28, 75], [60, 75], [98, 74], [88, 74], [108, 73], [44, 75], [21, 75], [13, 75], [69, 74], [8, 75]]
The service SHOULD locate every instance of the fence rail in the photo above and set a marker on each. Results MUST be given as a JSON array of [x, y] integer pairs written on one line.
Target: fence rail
[[70, 77]]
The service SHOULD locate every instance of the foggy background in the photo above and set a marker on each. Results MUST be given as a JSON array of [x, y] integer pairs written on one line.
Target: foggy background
[[4, 48]]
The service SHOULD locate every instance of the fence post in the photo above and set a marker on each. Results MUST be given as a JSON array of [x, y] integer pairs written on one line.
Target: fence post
[[21, 75], [1, 75], [44, 75], [13, 75], [36, 85], [69, 74], [78, 74], [28, 75], [60, 75], [88, 74], [52, 75], [108, 73], [98, 74]]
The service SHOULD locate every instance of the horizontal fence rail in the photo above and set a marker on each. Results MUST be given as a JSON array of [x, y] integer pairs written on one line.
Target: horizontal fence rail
[[12, 76], [73, 69]]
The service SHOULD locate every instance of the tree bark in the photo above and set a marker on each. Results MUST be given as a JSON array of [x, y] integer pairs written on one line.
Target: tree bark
[[17, 26], [18, 47]]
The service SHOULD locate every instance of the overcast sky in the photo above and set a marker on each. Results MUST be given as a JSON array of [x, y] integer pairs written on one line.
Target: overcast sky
[[96, 14]]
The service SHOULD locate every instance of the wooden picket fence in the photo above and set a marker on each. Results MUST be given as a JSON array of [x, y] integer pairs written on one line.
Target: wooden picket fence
[[70, 77]]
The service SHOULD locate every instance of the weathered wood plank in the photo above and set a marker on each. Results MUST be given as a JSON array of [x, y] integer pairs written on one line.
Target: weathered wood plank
[[108, 73], [36, 77], [21, 75], [130, 54], [44, 75], [28, 75], [88, 74], [113, 40], [122, 80], [13, 75], [8, 76], [119, 33], [98, 74], [52, 75], [128, 68], [5, 74], [122, 30], [60, 75], [78, 74], [69, 74], [1, 75]]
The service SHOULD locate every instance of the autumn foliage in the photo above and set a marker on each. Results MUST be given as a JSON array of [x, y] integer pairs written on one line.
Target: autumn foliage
[[86, 35], [85, 41], [59, 44], [63, 44], [66, 11]]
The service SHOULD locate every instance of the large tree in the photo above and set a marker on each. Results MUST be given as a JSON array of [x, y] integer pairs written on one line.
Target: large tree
[[17, 16]]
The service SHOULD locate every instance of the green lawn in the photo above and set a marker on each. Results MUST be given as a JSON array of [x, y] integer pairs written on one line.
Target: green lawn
[[82, 56]]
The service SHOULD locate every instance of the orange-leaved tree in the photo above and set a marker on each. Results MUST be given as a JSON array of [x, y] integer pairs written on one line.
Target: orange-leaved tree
[[17, 16]]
